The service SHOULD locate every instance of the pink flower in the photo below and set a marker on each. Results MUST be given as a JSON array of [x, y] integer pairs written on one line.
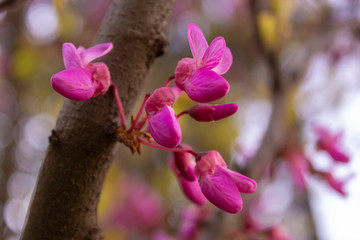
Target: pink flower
[[82, 80], [190, 188], [334, 183], [141, 208], [208, 112], [160, 235], [299, 167], [191, 219], [200, 76], [330, 143], [220, 185], [163, 123], [185, 163]]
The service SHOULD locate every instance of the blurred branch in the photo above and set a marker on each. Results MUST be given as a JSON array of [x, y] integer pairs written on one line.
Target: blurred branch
[[275, 133], [65, 201], [270, 56], [6, 4], [277, 130]]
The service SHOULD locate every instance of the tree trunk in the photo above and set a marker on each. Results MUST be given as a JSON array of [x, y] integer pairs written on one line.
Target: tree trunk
[[64, 204]]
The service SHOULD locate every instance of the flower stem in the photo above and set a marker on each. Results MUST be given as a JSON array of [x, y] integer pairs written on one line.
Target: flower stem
[[138, 116], [166, 148], [119, 106], [182, 113], [141, 124], [169, 81]]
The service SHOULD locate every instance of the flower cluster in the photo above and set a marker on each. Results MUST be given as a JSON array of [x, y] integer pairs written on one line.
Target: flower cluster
[[330, 143], [220, 185], [200, 78], [301, 167], [202, 176]]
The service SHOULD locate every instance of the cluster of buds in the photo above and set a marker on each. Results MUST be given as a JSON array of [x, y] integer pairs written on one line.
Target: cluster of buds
[[218, 184], [301, 167], [201, 175]]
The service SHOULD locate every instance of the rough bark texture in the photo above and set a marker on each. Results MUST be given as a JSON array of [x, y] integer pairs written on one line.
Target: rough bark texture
[[65, 201]]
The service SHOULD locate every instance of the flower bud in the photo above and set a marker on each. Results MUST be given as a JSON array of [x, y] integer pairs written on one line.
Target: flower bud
[[165, 128], [208, 112]]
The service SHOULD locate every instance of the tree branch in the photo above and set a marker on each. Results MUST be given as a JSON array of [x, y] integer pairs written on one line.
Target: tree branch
[[275, 132], [65, 202]]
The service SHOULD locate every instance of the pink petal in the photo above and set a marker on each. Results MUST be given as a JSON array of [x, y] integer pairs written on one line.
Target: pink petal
[[206, 85], [197, 42], [183, 71], [299, 167], [214, 53], [176, 91], [207, 163], [190, 217], [208, 112], [225, 63], [161, 97], [71, 57], [337, 155], [243, 183], [101, 77], [74, 83], [329, 142], [336, 184], [165, 128], [220, 189], [191, 189], [185, 163], [99, 50]]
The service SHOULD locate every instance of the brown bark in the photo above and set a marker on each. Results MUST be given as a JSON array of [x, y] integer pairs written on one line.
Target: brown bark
[[65, 201]]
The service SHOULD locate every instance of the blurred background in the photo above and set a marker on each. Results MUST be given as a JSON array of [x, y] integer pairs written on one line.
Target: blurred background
[[317, 44]]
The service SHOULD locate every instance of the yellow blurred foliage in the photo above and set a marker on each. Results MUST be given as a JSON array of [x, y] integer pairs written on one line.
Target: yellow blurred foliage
[[111, 185], [69, 22], [275, 26], [60, 3], [267, 28], [283, 8], [24, 63]]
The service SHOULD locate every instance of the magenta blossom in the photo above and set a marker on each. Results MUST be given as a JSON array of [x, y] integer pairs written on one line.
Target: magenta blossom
[[82, 80], [190, 188], [336, 184], [163, 123], [330, 143], [139, 208], [220, 185], [185, 163], [191, 219], [299, 167], [200, 76], [208, 112]]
